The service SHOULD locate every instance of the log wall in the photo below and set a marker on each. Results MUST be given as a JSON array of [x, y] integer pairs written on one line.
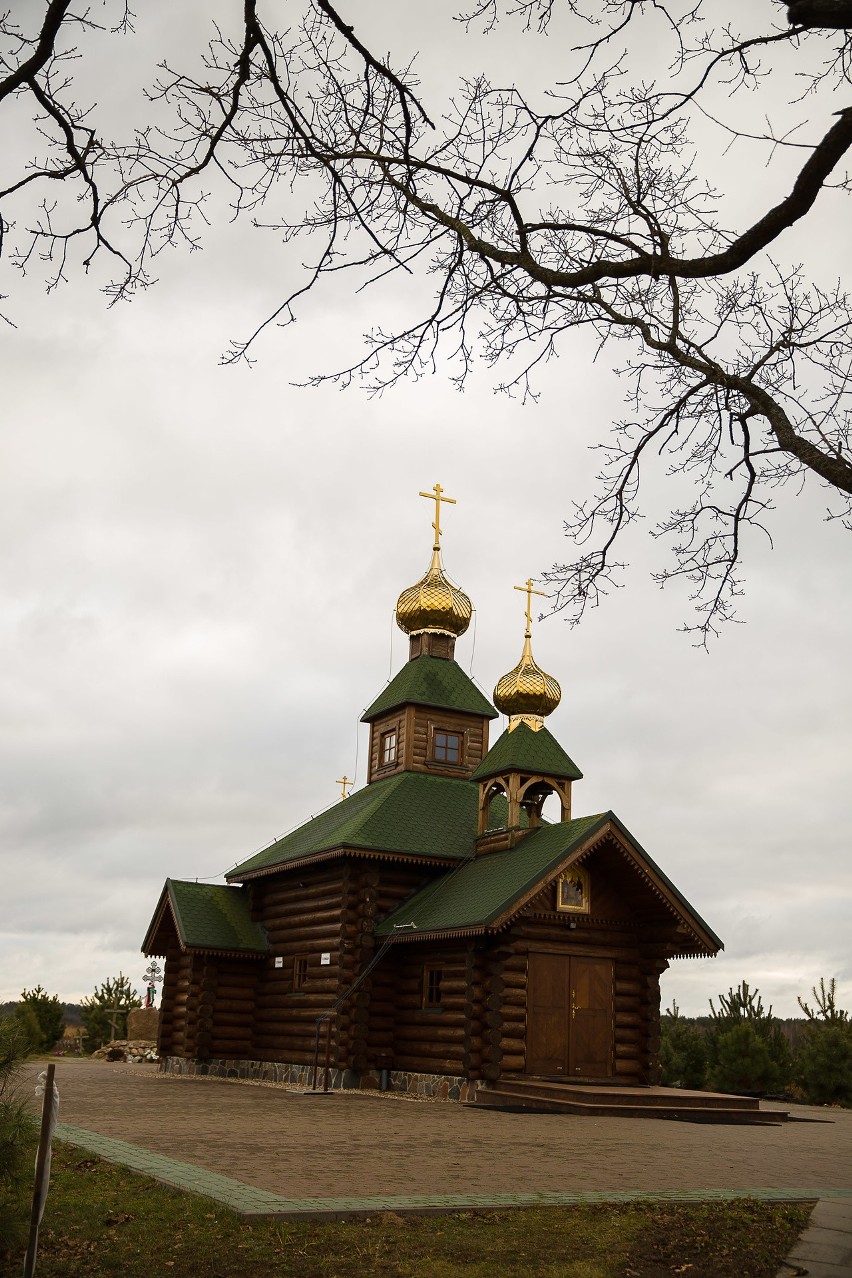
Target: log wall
[[414, 727], [329, 909], [395, 883], [395, 721], [302, 911], [423, 722], [229, 997], [218, 1008], [428, 1040], [180, 1003], [171, 1022]]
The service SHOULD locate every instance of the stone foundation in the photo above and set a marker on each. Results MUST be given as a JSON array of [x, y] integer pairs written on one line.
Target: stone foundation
[[438, 1086]]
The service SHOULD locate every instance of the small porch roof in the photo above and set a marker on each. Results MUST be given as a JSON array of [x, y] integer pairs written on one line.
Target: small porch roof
[[207, 917]]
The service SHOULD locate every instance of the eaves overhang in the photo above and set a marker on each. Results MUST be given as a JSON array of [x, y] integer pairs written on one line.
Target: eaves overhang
[[336, 853]]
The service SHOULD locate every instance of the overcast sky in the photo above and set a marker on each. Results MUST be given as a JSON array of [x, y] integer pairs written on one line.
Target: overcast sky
[[198, 577]]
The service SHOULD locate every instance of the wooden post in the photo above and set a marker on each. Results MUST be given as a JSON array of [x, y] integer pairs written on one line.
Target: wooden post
[[40, 1188]]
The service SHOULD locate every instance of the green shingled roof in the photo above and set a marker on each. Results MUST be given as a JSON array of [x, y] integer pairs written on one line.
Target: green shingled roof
[[431, 681], [482, 890], [523, 750], [411, 813], [210, 916]]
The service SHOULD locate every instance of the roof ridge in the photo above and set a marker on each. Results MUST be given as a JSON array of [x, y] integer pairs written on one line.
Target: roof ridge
[[521, 748], [396, 814], [431, 681]]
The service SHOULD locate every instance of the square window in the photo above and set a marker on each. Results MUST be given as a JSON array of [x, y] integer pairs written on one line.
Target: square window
[[387, 752], [446, 747], [300, 972], [432, 986]]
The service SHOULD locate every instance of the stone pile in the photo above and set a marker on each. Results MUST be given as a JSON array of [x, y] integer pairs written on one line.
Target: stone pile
[[134, 1051]]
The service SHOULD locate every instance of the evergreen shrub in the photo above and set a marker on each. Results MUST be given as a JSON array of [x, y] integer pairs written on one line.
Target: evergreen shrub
[[49, 1014], [746, 1047], [683, 1052], [18, 1138], [824, 1058]]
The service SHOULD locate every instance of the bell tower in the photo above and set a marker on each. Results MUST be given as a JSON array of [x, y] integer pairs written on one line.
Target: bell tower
[[526, 764]]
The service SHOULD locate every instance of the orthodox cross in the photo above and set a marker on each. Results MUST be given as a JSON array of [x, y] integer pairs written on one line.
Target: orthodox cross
[[343, 782], [435, 496], [152, 979], [528, 589]]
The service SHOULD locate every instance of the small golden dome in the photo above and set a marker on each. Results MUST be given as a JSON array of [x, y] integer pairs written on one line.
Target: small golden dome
[[434, 604], [526, 694]]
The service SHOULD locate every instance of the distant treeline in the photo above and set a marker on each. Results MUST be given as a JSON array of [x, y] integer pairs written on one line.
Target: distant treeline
[[792, 1028], [72, 1013]]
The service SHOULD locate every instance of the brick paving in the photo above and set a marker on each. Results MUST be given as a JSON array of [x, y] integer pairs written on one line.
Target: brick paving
[[270, 1149]]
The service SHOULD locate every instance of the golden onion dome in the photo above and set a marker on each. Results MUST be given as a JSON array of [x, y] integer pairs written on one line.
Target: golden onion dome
[[433, 604], [526, 694]]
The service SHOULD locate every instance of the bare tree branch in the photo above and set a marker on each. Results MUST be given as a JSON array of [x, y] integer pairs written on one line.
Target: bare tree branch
[[529, 222]]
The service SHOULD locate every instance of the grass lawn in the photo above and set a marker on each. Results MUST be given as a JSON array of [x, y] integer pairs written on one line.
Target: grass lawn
[[103, 1220]]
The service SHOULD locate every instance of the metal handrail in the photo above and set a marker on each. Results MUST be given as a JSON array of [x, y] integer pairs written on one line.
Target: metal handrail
[[328, 1016]]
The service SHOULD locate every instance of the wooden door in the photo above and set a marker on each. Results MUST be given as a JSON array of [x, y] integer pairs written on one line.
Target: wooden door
[[548, 1000], [569, 1016], [590, 1037]]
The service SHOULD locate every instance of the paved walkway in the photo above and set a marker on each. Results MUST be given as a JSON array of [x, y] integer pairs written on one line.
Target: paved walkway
[[825, 1248], [267, 1150]]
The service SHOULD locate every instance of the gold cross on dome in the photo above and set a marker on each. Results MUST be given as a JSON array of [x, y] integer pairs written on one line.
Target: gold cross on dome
[[343, 782], [437, 498], [529, 591]]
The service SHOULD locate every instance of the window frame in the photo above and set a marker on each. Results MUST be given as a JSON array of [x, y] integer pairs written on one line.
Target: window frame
[[301, 972], [390, 737], [431, 999], [447, 734]]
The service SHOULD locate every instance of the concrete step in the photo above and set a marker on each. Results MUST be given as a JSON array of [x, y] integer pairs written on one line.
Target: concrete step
[[651, 1097], [514, 1100]]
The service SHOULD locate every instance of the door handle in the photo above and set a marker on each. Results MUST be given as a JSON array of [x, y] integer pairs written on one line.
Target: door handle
[[573, 1004]]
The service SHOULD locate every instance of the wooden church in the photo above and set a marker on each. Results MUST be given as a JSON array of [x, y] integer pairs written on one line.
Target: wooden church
[[431, 931]]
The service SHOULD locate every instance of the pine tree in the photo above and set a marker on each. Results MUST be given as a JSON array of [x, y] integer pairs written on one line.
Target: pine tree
[[825, 1001], [683, 1054], [747, 1049], [31, 1032], [824, 1056], [105, 1012], [49, 1013]]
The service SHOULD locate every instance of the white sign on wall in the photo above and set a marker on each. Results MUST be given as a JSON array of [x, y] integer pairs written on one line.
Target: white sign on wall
[[325, 959]]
